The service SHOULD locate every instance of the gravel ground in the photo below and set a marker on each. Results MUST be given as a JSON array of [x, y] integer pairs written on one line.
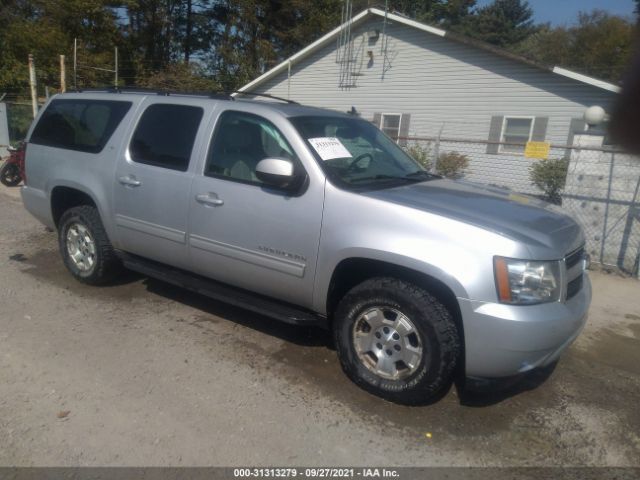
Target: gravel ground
[[143, 373]]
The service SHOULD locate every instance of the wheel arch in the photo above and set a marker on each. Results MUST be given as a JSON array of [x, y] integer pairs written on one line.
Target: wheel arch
[[354, 270], [64, 197]]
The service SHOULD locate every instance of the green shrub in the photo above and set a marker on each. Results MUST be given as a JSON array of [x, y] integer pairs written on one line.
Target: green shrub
[[420, 154], [452, 164], [550, 176]]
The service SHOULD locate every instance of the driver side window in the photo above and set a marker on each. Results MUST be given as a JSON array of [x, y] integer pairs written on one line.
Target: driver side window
[[240, 141]]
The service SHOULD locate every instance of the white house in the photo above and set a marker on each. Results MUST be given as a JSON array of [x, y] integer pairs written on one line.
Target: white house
[[414, 80]]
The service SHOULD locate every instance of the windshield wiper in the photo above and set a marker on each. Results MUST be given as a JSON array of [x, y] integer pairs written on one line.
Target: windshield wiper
[[422, 173], [382, 177], [417, 176]]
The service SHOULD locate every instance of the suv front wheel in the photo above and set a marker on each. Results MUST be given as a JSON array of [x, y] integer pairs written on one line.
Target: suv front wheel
[[396, 340], [85, 247]]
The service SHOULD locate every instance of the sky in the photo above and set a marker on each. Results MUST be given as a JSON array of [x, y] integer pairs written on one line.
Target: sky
[[560, 12]]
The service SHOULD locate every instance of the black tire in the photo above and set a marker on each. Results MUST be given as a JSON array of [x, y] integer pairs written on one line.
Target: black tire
[[106, 265], [438, 336], [10, 175]]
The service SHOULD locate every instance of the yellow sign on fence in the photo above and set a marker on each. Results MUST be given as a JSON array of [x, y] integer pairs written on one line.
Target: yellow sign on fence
[[537, 150]]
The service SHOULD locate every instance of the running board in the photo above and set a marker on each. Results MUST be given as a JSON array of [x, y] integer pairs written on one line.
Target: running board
[[237, 297]]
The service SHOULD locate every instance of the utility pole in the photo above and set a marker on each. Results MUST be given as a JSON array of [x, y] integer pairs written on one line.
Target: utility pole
[[188, 32], [75, 63], [63, 76], [32, 85], [116, 68]]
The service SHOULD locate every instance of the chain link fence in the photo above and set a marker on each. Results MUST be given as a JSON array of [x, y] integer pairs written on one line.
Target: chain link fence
[[601, 191], [15, 119], [19, 117]]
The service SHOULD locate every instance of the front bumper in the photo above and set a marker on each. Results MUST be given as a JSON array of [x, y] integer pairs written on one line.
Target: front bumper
[[503, 340]]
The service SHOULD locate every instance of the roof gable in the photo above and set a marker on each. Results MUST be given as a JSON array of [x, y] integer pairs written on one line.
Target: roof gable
[[362, 16]]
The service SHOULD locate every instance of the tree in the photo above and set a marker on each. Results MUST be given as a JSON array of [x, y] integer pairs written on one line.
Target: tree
[[453, 13], [226, 43], [548, 46], [179, 76], [600, 45], [603, 44], [250, 36], [443, 13], [46, 28], [152, 29], [503, 23]]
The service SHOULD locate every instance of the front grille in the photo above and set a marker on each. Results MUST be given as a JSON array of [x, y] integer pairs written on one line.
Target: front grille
[[575, 275], [574, 257], [574, 286]]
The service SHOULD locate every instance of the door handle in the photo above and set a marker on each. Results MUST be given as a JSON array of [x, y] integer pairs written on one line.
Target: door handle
[[210, 199], [129, 181]]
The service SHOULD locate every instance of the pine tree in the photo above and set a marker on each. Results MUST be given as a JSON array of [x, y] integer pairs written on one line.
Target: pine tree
[[503, 23]]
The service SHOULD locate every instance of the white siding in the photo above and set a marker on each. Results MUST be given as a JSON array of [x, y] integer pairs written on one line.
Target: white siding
[[444, 85]]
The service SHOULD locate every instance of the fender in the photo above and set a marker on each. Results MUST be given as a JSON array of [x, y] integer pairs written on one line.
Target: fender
[[98, 202], [448, 250], [325, 275]]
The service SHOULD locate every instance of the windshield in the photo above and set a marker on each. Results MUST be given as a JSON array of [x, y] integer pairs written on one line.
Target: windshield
[[355, 154]]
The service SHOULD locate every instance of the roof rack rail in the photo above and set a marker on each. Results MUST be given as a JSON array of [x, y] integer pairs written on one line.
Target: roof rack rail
[[216, 95], [153, 91], [266, 95]]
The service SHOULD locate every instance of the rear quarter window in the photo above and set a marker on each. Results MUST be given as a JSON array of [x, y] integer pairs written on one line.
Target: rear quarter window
[[82, 125]]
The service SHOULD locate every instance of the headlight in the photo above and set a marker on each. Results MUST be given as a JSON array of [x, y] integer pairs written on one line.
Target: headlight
[[520, 282]]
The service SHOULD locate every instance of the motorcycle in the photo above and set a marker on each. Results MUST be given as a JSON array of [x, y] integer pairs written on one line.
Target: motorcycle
[[12, 171]]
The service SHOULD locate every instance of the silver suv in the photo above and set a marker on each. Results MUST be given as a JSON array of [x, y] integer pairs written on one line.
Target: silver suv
[[312, 217]]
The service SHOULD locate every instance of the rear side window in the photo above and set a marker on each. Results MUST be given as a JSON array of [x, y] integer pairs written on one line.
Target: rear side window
[[83, 125], [165, 136]]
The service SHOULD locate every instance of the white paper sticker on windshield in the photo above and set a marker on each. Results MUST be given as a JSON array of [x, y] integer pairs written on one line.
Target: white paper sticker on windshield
[[329, 148]]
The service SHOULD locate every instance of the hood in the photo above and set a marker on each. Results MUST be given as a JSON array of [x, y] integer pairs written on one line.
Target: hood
[[522, 218]]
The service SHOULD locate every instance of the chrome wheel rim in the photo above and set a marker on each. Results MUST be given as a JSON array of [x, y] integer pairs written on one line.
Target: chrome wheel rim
[[387, 343], [81, 247]]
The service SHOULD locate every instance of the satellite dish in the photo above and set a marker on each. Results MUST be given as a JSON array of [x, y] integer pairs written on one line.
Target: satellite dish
[[595, 115]]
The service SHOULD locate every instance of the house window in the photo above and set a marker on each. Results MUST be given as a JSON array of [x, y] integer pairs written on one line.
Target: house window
[[390, 125], [516, 130]]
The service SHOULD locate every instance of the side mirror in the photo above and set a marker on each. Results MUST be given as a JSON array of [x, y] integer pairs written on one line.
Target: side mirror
[[278, 172]]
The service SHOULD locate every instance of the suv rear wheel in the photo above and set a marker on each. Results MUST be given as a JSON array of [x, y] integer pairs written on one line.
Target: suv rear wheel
[[85, 247], [396, 340]]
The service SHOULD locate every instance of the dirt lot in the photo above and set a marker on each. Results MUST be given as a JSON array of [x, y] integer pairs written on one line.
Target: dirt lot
[[143, 373]]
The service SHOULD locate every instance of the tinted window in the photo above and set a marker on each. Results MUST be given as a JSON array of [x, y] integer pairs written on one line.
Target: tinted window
[[240, 142], [84, 125], [165, 135]]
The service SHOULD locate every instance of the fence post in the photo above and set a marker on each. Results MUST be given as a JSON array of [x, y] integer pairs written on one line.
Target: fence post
[[606, 208], [63, 75], [633, 214], [32, 85], [436, 150]]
